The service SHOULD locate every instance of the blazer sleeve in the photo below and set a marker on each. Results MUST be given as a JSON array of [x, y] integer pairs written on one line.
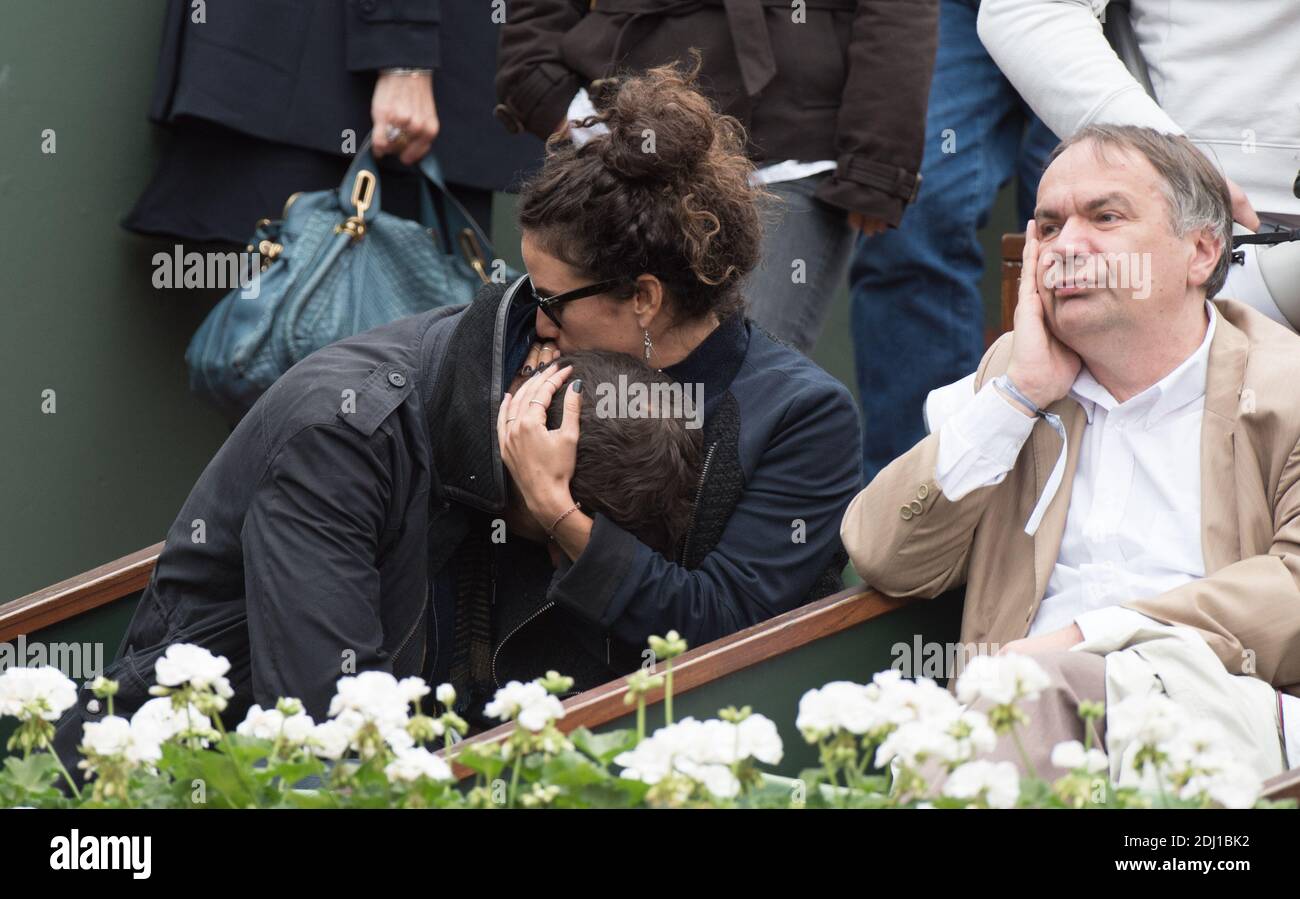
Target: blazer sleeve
[[880, 135], [534, 85], [310, 541], [779, 539], [1249, 611], [917, 554], [382, 34]]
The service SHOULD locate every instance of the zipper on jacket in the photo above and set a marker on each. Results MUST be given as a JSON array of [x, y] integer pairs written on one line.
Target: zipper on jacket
[[516, 630], [407, 639], [699, 492]]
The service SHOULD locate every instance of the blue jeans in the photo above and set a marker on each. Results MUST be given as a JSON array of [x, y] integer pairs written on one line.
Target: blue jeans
[[917, 314], [805, 254]]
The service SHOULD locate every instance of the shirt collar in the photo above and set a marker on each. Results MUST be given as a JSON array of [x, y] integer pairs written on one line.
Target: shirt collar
[[1181, 386]]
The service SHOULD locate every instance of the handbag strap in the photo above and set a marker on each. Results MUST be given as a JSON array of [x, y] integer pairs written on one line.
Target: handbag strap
[[458, 218]]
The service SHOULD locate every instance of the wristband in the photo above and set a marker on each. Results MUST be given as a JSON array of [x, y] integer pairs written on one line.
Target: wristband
[[1009, 386]]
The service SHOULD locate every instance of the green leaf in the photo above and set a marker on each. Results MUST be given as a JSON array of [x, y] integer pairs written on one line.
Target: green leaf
[[603, 747]]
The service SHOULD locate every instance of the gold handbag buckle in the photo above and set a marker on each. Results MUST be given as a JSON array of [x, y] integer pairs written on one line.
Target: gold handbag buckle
[[363, 194]]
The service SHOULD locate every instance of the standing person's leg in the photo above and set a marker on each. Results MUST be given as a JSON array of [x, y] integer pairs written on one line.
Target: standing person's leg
[[805, 253], [1036, 145], [918, 317]]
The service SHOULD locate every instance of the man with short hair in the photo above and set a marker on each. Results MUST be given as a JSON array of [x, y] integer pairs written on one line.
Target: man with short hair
[[1127, 471]]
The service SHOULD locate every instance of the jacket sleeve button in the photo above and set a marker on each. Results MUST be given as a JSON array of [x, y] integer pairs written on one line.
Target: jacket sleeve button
[[397, 379], [923, 491], [905, 513], [916, 507]]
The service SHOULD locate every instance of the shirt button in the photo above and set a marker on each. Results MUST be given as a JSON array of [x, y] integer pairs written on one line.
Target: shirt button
[[397, 379], [905, 512]]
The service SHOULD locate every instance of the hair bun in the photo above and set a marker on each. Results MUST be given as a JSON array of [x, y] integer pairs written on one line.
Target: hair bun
[[660, 128]]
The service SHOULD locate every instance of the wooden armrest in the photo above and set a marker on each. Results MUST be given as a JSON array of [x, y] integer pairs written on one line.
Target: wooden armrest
[[68, 599]]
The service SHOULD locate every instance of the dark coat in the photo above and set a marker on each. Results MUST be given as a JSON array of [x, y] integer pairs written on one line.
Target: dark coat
[[850, 83], [300, 72], [323, 531]]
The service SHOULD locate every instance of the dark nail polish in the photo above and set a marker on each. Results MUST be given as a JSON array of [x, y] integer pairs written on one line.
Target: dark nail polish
[[526, 370], [577, 386]]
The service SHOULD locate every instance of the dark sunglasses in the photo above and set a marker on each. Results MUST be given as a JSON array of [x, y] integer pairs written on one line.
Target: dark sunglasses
[[551, 305]]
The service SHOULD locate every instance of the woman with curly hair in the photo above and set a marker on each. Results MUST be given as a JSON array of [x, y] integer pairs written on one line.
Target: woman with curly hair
[[639, 241]]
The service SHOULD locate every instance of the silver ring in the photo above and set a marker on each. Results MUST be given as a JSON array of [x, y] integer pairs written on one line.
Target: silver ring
[[392, 132], [508, 420]]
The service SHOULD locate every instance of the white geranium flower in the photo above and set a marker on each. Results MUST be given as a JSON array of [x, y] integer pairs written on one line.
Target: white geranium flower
[[837, 706], [44, 692], [1071, 755], [186, 663], [760, 740], [446, 694], [331, 739], [417, 762], [1001, 680], [717, 779], [1233, 785], [158, 718], [413, 689], [650, 762], [1146, 720], [540, 712], [996, 784], [272, 724], [116, 736], [510, 699], [376, 696]]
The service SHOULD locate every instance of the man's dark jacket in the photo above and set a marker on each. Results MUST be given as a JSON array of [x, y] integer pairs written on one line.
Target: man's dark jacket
[[844, 80], [299, 72], [315, 541]]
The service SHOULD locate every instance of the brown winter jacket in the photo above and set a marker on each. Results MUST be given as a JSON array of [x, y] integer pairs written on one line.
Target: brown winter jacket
[[846, 80]]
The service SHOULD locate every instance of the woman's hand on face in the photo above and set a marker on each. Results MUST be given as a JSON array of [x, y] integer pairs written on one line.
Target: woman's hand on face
[[540, 355], [540, 460]]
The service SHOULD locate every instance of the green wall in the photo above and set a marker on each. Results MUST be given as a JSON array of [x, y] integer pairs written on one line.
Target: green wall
[[105, 474]]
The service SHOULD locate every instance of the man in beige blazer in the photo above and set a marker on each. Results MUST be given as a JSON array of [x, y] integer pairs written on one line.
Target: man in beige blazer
[[1174, 499]]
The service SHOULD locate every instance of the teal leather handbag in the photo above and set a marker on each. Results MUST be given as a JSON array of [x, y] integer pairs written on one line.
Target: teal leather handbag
[[335, 265]]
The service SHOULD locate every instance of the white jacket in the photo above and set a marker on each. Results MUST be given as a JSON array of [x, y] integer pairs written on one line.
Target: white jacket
[[1227, 74]]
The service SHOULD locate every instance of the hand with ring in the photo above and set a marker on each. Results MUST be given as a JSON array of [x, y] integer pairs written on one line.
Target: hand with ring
[[541, 461], [540, 355]]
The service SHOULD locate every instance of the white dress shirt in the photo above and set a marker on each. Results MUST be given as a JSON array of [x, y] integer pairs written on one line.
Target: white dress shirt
[[1133, 528]]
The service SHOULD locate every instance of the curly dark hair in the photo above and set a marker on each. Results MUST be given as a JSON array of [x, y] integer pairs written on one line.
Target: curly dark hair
[[639, 472], [666, 192]]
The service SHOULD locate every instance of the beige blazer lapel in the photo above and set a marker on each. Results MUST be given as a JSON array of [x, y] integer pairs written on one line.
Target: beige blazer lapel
[[1220, 529], [1046, 447]]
